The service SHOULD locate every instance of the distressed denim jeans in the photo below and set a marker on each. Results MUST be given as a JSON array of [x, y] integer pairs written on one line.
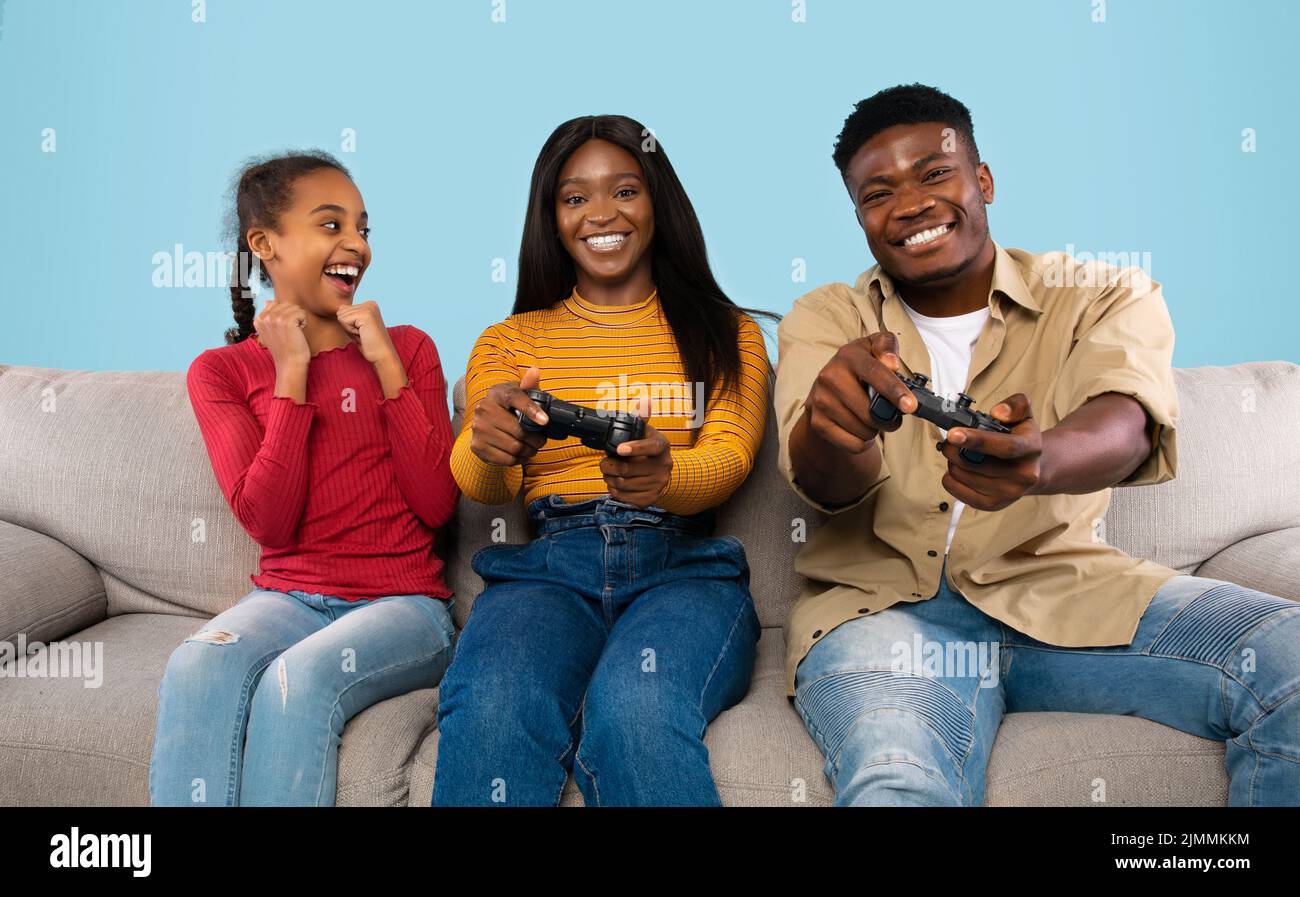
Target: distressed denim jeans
[[904, 704], [227, 734], [604, 646]]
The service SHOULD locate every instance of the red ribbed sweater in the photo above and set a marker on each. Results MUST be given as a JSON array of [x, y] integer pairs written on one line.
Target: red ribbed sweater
[[344, 492]]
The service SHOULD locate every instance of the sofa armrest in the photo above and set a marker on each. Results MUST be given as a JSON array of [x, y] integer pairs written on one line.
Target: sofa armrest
[[47, 590], [1269, 562]]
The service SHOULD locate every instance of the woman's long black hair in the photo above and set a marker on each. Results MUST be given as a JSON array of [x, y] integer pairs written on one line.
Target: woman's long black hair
[[703, 319]]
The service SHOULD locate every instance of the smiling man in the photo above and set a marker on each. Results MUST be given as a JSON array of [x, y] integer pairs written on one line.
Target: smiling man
[[1004, 558]]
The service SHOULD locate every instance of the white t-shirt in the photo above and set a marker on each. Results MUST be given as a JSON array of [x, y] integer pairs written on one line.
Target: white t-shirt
[[950, 343]]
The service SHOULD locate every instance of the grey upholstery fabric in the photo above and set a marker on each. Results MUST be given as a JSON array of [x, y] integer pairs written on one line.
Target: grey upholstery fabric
[[47, 590], [112, 465], [108, 508], [62, 743]]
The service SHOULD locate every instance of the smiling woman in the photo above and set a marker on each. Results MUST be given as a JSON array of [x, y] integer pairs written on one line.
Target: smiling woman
[[614, 288]]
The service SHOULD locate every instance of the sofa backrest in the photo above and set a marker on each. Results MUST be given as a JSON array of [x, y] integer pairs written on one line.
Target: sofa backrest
[[112, 465], [1238, 457]]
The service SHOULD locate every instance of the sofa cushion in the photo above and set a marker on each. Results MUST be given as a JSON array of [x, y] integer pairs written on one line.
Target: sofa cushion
[[1083, 759], [65, 744], [48, 590], [112, 465]]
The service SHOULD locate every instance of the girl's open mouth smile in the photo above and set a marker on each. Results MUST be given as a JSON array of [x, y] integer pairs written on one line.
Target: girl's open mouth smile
[[343, 277]]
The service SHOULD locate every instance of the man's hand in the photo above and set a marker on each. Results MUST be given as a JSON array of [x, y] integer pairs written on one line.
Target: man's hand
[[642, 469], [838, 406], [834, 453], [1012, 465]]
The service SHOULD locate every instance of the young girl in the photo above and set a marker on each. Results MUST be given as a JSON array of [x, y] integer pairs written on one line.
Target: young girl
[[606, 645], [330, 439]]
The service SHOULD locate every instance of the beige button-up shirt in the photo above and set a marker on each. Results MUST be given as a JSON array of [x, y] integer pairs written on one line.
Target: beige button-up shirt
[[1060, 331]]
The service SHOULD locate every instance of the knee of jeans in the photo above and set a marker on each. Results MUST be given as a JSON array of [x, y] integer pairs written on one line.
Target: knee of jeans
[[638, 701], [299, 675], [207, 655], [912, 777], [1253, 636], [494, 703], [1267, 661], [273, 689], [871, 707]]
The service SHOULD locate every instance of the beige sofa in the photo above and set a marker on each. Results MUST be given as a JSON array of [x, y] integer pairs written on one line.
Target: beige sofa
[[113, 533]]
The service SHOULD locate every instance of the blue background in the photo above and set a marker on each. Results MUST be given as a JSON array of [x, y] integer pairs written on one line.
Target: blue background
[[1117, 136]]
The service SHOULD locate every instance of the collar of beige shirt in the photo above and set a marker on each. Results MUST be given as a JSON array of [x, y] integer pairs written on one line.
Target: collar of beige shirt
[[877, 288]]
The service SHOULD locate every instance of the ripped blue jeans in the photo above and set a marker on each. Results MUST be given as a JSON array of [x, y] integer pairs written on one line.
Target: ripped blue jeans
[[228, 735], [905, 703]]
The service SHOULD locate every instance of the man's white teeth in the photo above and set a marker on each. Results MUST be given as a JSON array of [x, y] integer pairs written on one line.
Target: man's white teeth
[[343, 269], [926, 236], [605, 240]]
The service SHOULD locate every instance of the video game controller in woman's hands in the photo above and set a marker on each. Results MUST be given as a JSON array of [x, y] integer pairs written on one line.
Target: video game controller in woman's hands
[[605, 430], [943, 413]]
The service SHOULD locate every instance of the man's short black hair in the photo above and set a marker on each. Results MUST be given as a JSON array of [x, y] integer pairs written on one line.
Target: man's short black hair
[[906, 104]]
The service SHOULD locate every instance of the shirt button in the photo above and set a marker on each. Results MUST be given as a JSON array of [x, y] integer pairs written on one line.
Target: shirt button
[[864, 610], [916, 594], [943, 506], [817, 634], [932, 553]]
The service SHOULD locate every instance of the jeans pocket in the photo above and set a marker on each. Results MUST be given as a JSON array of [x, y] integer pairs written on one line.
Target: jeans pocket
[[511, 560], [711, 556]]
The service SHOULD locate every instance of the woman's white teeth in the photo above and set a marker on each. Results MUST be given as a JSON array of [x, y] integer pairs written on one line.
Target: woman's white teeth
[[926, 236], [605, 240], [343, 269]]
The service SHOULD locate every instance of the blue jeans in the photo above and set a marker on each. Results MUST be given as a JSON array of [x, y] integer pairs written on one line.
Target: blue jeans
[[605, 646], [898, 727], [333, 658]]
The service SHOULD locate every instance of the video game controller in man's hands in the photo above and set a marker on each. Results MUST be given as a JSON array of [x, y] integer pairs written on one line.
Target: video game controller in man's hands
[[944, 413], [595, 429]]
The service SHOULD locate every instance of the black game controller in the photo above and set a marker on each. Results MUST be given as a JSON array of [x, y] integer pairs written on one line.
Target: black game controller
[[595, 429], [943, 413]]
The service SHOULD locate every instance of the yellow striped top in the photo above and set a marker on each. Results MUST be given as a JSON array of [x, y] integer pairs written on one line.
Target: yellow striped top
[[607, 357]]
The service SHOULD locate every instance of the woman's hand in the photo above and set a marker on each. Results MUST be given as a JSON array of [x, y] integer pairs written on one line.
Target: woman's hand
[[364, 323], [643, 467], [497, 437]]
